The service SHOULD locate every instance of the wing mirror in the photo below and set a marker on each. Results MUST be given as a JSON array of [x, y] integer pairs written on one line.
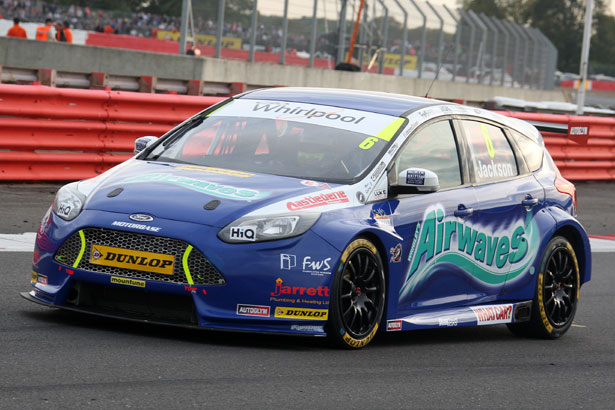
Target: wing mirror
[[415, 181], [144, 142]]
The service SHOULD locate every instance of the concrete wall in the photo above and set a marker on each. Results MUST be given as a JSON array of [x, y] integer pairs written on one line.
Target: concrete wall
[[19, 53]]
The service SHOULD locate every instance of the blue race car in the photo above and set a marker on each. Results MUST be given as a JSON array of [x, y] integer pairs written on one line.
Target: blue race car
[[323, 212]]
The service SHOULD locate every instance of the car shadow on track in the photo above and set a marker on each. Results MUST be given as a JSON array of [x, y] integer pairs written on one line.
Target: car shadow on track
[[429, 337]]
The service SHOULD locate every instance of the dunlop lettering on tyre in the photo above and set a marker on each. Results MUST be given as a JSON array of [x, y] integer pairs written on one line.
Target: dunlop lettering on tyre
[[357, 296], [557, 293]]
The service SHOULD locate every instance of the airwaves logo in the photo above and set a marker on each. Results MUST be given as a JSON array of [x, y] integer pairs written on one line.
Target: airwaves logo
[[491, 255]]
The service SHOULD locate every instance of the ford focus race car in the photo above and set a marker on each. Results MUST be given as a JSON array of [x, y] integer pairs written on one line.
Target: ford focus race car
[[327, 213]]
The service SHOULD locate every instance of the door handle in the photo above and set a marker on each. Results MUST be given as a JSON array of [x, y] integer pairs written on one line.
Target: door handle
[[462, 211], [529, 201]]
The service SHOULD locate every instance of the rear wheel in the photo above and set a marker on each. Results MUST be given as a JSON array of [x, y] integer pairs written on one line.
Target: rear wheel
[[557, 293], [357, 297]]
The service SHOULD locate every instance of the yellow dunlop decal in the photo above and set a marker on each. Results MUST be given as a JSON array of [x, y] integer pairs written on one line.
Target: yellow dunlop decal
[[299, 313], [357, 244], [351, 341], [129, 259], [541, 305], [128, 282], [33, 276], [221, 171]]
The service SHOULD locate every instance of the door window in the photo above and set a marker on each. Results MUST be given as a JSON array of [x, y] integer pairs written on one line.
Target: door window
[[433, 148], [492, 156]]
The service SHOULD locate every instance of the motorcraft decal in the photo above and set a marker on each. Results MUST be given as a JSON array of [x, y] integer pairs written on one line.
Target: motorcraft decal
[[201, 185], [491, 254], [341, 118]]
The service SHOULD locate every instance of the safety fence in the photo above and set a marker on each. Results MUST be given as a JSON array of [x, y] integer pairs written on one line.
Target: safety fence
[[54, 134], [583, 147]]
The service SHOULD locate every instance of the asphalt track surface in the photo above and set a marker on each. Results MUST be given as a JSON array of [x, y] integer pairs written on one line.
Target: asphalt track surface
[[51, 359]]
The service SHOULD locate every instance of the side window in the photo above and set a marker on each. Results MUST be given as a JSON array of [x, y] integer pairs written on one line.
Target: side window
[[492, 155], [433, 148], [532, 152]]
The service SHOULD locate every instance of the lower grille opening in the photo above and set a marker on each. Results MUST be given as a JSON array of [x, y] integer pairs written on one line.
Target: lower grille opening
[[132, 303]]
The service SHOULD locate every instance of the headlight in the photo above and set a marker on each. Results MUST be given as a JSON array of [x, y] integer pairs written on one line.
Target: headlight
[[268, 227], [68, 202]]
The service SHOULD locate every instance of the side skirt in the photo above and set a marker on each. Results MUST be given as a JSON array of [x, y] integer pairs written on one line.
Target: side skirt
[[465, 316]]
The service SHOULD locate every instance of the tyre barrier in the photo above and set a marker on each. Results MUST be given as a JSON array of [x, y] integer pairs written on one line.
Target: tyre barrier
[[55, 134], [582, 147], [60, 134]]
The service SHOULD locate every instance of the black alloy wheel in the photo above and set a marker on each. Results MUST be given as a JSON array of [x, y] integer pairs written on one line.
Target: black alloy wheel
[[557, 293], [357, 299]]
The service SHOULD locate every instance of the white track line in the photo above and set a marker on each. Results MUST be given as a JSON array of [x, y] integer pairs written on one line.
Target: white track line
[[24, 242]]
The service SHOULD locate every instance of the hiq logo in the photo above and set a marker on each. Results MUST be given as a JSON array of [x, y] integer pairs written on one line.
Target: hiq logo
[[244, 233], [287, 262]]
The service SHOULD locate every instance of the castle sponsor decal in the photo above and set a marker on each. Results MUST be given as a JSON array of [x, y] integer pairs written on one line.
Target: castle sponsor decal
[[312, 201], [200, 185], [491, 254], [491, 315], [395, 253]]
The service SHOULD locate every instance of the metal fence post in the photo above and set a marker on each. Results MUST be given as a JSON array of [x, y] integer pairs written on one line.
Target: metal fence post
[[284, 34], [552, 62], [440, 38], [468, 20], [536, 75], [525, 52], [404, 38], [423, 41], [481, 48], [457, 40], [515, 69], [384, 28], [220, 28], [497, 24], [341, 33], [363, 37], [494, 44], [183, 30], [253, 31], [313, 35]]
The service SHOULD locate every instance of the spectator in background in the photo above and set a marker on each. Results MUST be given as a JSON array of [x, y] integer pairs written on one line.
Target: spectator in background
[[63, 32], [109, 29], [16, 30], [42, 32]]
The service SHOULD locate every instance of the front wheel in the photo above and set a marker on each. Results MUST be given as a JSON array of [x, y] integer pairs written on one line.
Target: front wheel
[[557, 293], [357, 297]]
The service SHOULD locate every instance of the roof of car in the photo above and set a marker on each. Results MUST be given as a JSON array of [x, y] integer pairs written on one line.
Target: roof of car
[[371, 101]]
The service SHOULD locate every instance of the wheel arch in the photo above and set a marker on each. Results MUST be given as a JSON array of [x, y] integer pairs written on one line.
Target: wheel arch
[[580, 246]]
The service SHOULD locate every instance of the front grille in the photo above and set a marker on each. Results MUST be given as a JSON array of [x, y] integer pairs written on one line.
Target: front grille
[[200, 269]]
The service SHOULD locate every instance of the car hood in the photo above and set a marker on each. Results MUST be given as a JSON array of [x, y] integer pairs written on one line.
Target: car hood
[[185, 192]]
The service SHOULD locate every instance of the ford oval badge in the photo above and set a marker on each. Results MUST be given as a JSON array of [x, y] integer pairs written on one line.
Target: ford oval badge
[[141, 217]]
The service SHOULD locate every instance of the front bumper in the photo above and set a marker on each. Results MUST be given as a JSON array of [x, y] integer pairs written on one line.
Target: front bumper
[[279, 287]]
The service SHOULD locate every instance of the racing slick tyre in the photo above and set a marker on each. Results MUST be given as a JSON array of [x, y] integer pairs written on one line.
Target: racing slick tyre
[[557, 293], [357, 296]]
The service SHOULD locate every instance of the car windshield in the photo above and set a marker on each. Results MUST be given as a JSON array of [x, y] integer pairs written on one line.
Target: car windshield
[[296, 140]]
